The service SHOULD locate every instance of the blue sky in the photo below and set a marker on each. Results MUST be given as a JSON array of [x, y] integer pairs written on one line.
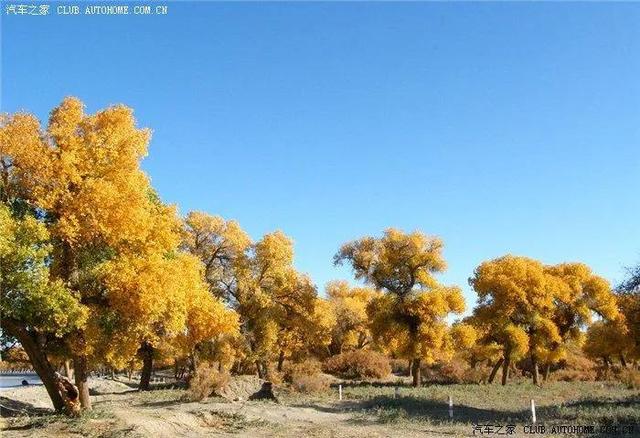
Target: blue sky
[[500, 127]]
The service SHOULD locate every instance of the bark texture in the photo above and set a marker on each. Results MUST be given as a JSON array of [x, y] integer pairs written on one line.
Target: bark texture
[[38, 358], [495, 369], [415, 371], [146, 352]]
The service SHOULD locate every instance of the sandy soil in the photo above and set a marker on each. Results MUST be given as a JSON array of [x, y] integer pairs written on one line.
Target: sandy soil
[[125, 412]]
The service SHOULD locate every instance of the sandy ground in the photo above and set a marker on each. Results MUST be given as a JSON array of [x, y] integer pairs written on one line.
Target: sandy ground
[[126, 412]]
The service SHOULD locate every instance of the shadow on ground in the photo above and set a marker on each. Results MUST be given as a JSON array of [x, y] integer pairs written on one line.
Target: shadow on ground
[[588, 411], [15, 408]]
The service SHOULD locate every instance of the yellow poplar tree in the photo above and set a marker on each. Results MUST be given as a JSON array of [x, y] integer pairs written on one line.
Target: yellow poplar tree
[[208, 320], [220, 245], [530, 308], [628, 298], [349, 305], [410, 315], [580, 295], [515, 306], [275, 303], [114, 244], [609, 340], [273, 298], [34, 308], [304, 333]]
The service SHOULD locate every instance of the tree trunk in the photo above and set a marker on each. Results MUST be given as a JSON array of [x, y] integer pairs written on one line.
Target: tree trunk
[[261, 373], [193, 365], [534, 370], [68, 371], [547, 371], [81, 374], [622, 361], [410, 369], [146, 351], [416, 372], [495, 369], [505, 369], [280, 361], [38, 358]]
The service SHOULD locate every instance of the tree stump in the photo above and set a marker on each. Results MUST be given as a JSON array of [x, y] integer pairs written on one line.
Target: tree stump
[[265, 393]]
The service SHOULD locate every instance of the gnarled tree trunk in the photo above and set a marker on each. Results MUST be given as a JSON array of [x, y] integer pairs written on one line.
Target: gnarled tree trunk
[[193, 361], [38, 358], [146, 351]]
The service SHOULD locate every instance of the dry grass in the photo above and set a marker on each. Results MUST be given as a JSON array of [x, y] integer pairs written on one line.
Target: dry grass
[[206, 381], [454, 371], [306, 377], [631, 378], [368, 409]]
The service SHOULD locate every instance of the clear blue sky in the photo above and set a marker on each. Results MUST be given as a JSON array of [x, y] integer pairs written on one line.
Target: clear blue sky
[[500, 127]]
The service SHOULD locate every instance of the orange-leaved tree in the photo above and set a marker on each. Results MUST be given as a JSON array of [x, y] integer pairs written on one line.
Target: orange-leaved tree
[[528, 308], [113, 244], [410, 316], [349, 305]]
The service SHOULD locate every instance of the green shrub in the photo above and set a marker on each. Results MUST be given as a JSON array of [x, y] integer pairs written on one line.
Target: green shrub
[[358, 364]]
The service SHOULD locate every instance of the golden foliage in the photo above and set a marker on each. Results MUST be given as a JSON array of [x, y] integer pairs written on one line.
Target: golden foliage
[[349, 307], [526, 307], [409, 319]]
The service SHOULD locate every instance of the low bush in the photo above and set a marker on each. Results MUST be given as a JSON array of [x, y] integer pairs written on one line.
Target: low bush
[[631, 378], [576, 367], [454, 371], [306, 377], [399, 366], [309, 384], [611, 372], [206, 381], [306, 368], [358, 364]]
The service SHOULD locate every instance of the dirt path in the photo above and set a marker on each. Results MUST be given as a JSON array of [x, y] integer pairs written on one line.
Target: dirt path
[[123, 412], [251, 419]]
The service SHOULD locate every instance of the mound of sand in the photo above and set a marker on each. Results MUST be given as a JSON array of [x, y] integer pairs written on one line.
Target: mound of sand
[[101, 386], [35, 396], [32, 396]]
